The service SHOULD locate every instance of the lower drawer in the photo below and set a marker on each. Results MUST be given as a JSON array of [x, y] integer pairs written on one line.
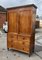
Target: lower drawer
[[20, 46], [25, 49], [9, 45]]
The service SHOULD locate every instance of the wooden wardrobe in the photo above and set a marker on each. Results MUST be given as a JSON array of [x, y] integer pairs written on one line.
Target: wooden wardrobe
[[21, 28]]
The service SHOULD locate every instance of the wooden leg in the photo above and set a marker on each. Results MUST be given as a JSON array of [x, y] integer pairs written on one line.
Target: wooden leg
[[8, 49], [29, 54], [33, 49]]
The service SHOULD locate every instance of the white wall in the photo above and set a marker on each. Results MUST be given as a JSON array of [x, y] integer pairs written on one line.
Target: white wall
[[40, 24]]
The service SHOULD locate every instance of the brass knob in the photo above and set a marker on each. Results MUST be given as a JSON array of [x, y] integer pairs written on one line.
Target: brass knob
[[23, 48], [23, 42], [11, 45], [23, 38], [11, 40], [11, 36]]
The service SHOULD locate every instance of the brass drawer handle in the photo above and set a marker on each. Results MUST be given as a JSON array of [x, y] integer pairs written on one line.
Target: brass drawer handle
[[11, 45], [23, 38], [11, 40], [23, 48], [11, 36], [23, 42]]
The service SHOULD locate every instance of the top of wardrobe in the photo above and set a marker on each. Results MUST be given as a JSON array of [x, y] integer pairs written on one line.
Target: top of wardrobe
[[30, 5]]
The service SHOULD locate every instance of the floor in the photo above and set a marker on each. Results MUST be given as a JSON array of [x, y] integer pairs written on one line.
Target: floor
[[15, 55]]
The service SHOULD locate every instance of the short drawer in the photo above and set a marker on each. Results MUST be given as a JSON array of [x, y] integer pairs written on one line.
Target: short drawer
[[24, 38], [12, 36]]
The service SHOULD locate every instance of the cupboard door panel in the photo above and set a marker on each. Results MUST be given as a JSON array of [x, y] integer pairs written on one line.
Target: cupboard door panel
[[10, 22], [23, 38], [15, 44], [26, 49], [13, 22], [26, 43], [25, 23]]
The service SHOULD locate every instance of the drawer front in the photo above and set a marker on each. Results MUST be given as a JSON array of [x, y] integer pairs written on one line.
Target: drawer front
[[15, 38], [23, 38], [20, 38], [26, 43], [12, 36], [23, 45], [20, 45]]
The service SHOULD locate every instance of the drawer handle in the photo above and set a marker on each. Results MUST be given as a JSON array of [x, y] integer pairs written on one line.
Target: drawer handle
[[11, 45], [11, 40], [23, 38], [23, 42], [23, 48], [11, 36]]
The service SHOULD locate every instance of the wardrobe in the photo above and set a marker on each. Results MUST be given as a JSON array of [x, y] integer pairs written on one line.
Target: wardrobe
[[21, 28]]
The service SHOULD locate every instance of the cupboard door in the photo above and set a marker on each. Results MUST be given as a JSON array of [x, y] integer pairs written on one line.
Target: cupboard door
[[12, 22], [12, 36], [25, 22]]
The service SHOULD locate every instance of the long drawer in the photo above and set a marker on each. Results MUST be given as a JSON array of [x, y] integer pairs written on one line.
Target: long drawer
[[12, 36]]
